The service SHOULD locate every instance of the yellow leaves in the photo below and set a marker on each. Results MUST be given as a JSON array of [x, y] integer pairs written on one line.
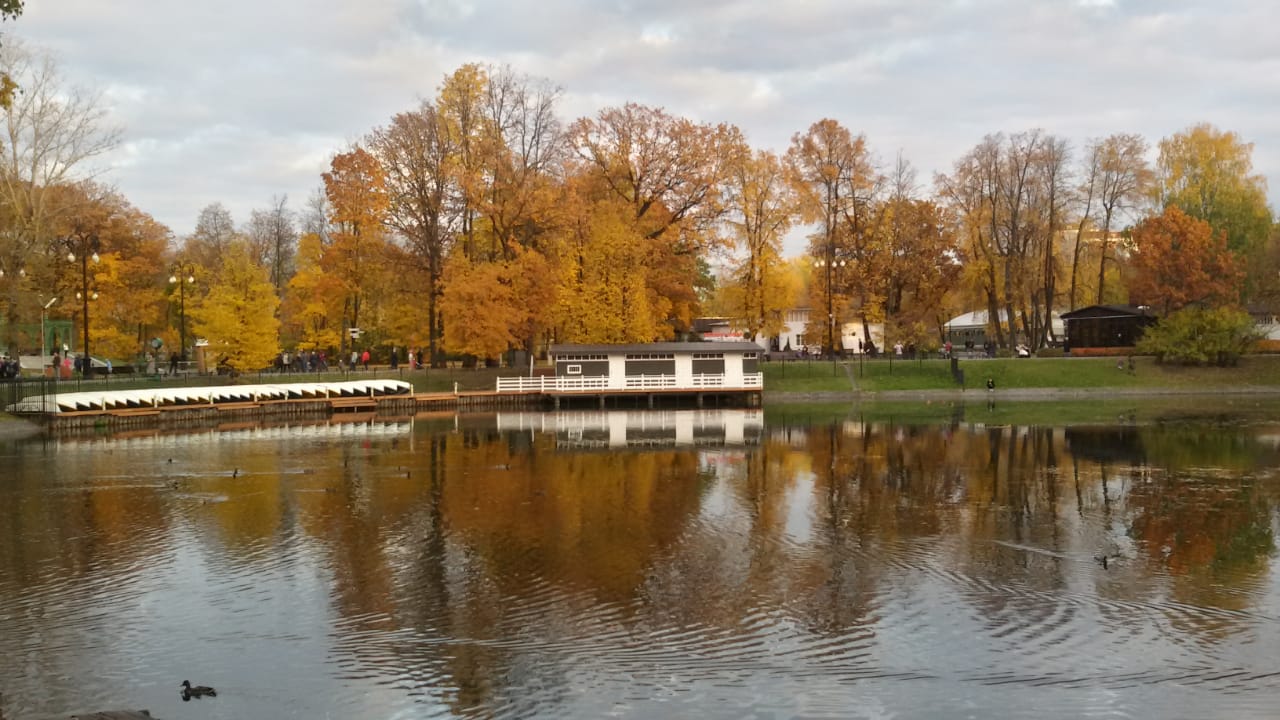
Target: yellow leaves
[[606, 294], [314, 297], [237, 316], [477, 304], [1209, 174]]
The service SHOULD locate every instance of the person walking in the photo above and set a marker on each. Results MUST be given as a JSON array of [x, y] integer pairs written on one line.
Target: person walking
[[364, 358]]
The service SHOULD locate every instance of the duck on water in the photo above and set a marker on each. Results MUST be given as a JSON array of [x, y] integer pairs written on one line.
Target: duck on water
[[196, 691]]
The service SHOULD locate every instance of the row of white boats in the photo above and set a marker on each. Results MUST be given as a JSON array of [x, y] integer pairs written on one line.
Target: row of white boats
[[160, 397]]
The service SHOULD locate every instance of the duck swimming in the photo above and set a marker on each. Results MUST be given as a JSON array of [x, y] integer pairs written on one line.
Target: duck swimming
[[189, 691]]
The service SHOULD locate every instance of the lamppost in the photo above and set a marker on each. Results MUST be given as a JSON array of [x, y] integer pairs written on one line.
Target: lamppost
[[43, 335], [830, 264], [183, 275], [84, 246]]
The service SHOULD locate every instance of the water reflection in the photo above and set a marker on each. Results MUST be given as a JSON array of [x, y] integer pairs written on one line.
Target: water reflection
[[644, 565]]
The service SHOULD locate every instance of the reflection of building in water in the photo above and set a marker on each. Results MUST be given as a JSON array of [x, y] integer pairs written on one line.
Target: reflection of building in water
[[642, 428]]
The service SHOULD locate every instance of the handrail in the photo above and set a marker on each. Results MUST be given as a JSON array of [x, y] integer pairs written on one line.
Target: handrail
[[563, 383]]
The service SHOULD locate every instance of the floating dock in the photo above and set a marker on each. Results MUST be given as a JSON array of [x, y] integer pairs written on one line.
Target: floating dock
[[217, 405]]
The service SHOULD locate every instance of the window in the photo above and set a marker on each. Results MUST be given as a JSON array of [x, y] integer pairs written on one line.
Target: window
[[573, 370], [581, 358], [650, 356], [708, 356]]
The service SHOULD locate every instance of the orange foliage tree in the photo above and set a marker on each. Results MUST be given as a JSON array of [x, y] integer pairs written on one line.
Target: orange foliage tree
[[356, 189], [1179, 261]]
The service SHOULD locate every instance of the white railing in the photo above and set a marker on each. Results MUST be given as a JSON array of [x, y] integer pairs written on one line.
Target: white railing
[[634, 382]]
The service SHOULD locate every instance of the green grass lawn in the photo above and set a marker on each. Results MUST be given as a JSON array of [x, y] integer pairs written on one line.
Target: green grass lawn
[[1067, 373]]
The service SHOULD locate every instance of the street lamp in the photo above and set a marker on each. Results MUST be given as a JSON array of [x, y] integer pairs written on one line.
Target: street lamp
[[830, 264], [43, 335], [181, 272], [84, 246]]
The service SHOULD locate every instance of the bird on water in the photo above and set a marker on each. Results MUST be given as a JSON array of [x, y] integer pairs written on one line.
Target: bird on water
[[189, 691]]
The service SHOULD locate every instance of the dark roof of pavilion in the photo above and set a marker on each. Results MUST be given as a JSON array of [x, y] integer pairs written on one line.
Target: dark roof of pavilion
[[1108, 311]]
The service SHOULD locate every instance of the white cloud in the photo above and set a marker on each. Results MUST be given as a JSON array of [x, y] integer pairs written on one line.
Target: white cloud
[[238, 101]]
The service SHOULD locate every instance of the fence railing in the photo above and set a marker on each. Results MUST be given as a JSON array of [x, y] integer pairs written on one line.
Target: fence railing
[[632, 382]]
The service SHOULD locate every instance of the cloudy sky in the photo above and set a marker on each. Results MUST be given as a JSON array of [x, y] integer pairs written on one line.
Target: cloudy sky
[[236, 101]]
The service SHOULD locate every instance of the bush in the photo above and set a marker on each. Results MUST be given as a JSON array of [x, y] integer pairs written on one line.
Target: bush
[[1199, 336], [1050, 352]]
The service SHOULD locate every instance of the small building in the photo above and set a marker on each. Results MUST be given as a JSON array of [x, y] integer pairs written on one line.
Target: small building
[[685, 365], [1107, 326], [697, 370], [972, 327]]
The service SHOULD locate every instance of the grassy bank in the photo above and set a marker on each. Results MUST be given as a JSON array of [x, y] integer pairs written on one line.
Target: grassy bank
[[1007, 373], [985, 409]]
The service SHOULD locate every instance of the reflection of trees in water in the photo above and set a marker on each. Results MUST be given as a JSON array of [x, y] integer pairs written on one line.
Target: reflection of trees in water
[[477, 537]]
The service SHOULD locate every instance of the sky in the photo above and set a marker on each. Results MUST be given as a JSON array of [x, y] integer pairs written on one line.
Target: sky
[[237, 101]]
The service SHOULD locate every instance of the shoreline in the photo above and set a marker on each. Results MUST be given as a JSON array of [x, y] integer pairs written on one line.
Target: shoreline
[[1017, 394]]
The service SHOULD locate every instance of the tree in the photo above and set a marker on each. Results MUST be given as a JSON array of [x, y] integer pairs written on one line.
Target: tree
[[1200, 336], [668, 172], [416, 152], [1122, 178], [1008, 194], [274, 239], [358, 202], [1179, 261], [238, 315], [208, 244], [9, 10], [51, 132], [837, 184], [762, 206], [605, 293], [312, 307], [1208, 174]]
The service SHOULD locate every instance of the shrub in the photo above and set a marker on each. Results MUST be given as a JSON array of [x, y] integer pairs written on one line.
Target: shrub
[[1199, 336]]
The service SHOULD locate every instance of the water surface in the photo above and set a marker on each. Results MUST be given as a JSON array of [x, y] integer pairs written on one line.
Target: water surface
[[645, 564]]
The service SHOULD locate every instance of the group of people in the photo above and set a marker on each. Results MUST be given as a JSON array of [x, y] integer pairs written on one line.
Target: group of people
[[302, 361]]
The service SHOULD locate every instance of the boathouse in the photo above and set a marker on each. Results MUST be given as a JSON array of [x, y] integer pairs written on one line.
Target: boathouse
[[700, 371]]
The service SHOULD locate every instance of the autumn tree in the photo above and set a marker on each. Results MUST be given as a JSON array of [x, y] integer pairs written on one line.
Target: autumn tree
[[916, 251], [1121, 177], [122, 286], [358, 202], [1198, 335], [130, 286], [52, 132], [417, 155], [9, 10], [605, 295], [1009, 195], [237, 317], [1178, 261], [1208, 174], [524, 160], [837, 183], [208, 244], [665, 174], [762, 207], [273, 236], [491, 303], [312, 306]]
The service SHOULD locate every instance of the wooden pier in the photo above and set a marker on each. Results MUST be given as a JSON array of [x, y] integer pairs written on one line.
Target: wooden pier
[[246, 404]]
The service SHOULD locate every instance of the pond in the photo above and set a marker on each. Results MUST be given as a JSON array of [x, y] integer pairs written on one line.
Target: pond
[[716, 563]]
